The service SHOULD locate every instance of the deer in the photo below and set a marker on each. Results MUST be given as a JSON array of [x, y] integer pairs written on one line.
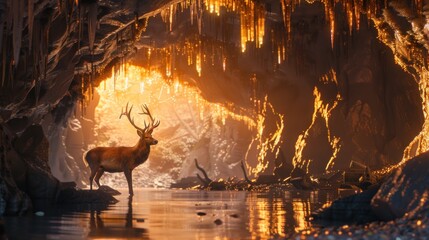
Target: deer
[[123, 159]]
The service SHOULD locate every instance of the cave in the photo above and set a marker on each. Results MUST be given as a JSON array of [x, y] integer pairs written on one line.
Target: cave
[[234, 119]]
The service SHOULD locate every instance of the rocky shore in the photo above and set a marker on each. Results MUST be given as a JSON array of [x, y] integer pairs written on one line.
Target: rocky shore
[[397, 209], [400, 229]]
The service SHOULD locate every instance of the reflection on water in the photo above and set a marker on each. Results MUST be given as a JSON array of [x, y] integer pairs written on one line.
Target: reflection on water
[[172, 214], [112, 225]]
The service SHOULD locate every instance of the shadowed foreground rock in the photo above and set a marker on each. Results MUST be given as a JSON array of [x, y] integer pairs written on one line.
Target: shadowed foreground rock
[[401, 201], [71, 195], [355, 209], [26, 181], [405, 190]]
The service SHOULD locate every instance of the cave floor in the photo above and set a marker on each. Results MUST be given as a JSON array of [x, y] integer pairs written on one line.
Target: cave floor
[[176, 214]]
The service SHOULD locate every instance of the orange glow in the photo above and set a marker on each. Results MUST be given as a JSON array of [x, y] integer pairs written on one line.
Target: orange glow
[[323, 110], [266, 143], [301, 210], [137, 85], [267, 218], [252, 15], [403, 50]]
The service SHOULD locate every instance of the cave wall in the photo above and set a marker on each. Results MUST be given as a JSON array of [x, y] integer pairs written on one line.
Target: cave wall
[[379, 108], [377, 102], [53, 52]]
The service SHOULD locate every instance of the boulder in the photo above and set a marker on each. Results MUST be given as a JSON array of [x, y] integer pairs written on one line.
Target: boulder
[[405, 190], [41, 186], [78, 196], [354, 209], [267, 179]]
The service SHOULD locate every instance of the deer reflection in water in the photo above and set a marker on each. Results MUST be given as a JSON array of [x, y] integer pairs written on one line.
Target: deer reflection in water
[[111, 226]]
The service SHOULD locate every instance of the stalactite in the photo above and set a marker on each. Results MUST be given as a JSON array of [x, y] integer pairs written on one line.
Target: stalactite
[[18, 11], [4, 61], [45, 26], [1, 36], [3, 15], [9, 17], [35, 51], [11, 74], [37, 88], [30, 19], [92, 24], [114, 79], [67, 11], [199, 16], [80, 22]]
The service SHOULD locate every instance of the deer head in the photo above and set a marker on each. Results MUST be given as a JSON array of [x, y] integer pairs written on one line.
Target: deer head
[[145, 133]]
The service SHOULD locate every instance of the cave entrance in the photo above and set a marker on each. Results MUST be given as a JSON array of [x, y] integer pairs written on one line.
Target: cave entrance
[[219, 136]]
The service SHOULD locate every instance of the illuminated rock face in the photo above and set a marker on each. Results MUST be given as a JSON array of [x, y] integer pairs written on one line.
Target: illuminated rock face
[[62, 48]]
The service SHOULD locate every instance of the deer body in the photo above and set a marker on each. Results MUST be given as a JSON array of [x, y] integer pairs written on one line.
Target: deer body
[[122, 159], [117, 159]]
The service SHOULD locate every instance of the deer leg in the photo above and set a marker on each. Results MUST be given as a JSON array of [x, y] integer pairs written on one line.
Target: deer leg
[[98, 176], [128, 175], [91, 177]]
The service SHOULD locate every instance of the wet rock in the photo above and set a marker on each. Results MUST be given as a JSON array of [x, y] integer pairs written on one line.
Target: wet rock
[[234, 215], [346, 190], [13, 201], [266, 179], [330, 179], [39, 213], [300, 179], [40, 185], [303, 183], [33, 146], [297, 172], [187, 182], [355, 208], [218, 222], [283, 167], [404, 191], [109, 190], [201, 213], [217, 185], [72, 196], [358, 174]]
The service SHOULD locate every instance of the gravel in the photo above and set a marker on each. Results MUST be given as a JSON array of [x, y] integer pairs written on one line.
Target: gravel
[[400, 229]]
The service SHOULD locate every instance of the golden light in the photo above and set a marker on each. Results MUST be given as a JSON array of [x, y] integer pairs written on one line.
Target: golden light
[[252, 30], [174, 103], [401, 46], [301, 209], [323, 110]]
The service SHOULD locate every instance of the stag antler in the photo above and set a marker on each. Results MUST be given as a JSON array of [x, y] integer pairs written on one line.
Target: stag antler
[[153, 123], [128, 114]]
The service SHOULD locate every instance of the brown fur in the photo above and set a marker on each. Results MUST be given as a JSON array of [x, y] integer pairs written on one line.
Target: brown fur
[[119, 159]]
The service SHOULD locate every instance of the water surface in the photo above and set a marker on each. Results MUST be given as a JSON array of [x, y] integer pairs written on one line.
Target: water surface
[[176, 214]]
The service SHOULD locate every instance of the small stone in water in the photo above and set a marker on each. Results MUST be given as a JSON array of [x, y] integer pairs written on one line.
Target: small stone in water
[[140, 219], [39, 213], [218, 222], [234, 215], [201, 213]]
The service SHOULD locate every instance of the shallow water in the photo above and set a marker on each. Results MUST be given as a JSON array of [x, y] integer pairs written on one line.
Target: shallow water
[[173, 214]]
